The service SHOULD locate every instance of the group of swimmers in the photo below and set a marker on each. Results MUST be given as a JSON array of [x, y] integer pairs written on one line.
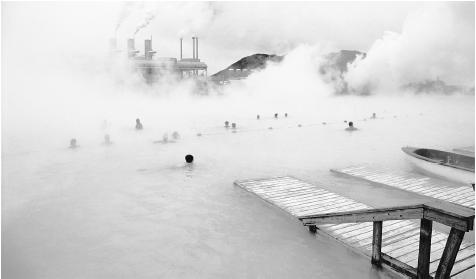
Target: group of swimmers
[[227, 125], [351, 126], [275, 115], [176, 136], [258, 117], [107, 140]]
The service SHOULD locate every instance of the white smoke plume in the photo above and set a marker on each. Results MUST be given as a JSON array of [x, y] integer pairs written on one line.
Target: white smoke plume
[[126, 10], [150, 15]]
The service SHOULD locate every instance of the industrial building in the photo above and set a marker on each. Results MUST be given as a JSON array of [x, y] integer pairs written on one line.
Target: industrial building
[[153, 67]]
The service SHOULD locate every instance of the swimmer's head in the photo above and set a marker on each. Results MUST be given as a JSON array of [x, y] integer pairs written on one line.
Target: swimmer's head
[[189, 158], [73, 143], [137, 120], [351, 124]]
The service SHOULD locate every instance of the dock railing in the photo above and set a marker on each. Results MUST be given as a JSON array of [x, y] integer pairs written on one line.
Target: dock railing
[[459, 218]]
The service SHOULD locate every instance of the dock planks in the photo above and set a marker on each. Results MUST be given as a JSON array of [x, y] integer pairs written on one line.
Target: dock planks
[[419, 184], [400, 237]]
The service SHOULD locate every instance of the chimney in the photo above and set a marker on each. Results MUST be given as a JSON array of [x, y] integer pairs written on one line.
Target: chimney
[[148, 52], [181, 39], [131, 52], [130, 44], [196, 47], [193, 40]]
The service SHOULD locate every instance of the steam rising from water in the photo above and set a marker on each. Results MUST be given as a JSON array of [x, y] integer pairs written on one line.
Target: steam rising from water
[[435, 43]]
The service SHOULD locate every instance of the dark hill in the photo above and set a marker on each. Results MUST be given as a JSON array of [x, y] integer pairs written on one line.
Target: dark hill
[[245, 66], [339, 60]]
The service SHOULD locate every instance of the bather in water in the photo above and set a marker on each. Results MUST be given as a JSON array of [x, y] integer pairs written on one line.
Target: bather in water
[[138, 124], [73, 144], [351, 127], [107, 140]]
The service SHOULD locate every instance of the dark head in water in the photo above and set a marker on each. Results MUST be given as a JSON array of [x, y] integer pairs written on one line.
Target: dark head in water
[[351, 127], [257, 116], [227, 124], [286, 114], [107, 140], [275, 115], [189, 158], [73, 143], [374, 115], [233, 125], [138, 124]]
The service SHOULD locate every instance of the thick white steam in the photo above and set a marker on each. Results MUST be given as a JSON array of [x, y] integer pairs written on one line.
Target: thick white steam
[[436, 42]]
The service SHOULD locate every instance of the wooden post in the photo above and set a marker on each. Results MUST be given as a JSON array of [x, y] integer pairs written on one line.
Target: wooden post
[[377, 244], [423, 269], [449, 254], [313, 228]]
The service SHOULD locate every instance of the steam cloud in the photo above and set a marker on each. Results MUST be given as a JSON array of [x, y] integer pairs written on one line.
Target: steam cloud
[[436, 43]]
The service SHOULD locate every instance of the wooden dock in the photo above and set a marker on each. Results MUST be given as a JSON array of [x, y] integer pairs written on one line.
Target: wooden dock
[[399, 238], [419, 184]]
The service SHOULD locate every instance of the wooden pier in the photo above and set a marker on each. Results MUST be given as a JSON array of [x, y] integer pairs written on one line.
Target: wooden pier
[[387, 235], [419, 184]]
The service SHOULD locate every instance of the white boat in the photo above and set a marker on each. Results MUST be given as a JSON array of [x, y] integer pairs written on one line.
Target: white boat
[[450, 165]]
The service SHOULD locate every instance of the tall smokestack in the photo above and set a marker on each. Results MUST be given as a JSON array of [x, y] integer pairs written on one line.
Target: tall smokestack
[[181, 39], [130, 48], [148, 52], [130, 45], [193, 39], [196, 48]]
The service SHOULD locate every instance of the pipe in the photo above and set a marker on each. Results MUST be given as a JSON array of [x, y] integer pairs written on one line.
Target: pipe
[[181, 39], [196, 48], [193, 43]]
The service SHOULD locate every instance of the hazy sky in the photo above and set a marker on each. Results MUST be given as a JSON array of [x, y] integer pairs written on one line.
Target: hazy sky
[[227, 30]]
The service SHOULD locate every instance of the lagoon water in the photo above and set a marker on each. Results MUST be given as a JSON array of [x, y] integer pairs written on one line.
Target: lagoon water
[[134, 210]]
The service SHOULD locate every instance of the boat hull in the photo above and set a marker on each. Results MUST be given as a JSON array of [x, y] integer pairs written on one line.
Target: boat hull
[[434, 168]]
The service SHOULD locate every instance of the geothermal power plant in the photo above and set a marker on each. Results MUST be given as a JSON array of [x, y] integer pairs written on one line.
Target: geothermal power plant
[[152, 66]]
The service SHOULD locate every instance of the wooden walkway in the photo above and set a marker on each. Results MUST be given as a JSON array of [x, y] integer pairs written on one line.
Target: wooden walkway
[[426, 186], [400, 238]]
